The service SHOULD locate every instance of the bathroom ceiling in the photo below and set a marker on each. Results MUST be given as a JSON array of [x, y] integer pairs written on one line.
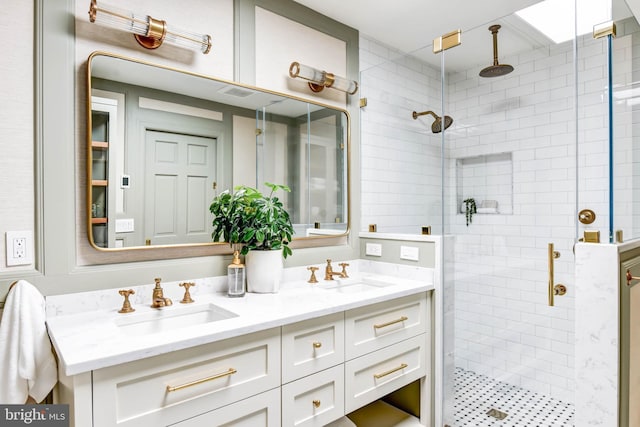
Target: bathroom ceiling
[[411, 25]]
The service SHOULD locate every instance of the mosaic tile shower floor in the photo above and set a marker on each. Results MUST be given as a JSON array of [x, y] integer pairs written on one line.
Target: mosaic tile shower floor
[[476, 395]]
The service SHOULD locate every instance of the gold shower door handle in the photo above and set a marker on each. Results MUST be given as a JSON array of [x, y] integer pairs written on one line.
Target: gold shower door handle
[[553, 289]]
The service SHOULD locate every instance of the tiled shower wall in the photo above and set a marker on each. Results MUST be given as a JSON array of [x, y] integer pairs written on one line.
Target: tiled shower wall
[[401, 164], [504, 327]]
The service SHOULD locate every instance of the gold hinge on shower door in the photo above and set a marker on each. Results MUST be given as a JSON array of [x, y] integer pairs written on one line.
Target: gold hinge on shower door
[[447, 41], [604, 29]]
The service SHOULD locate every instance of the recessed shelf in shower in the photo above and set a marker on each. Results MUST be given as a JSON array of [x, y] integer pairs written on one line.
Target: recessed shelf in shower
[[488, 179]]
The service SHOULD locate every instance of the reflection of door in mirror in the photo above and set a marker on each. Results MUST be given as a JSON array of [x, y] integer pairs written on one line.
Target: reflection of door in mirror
[[180, 179]]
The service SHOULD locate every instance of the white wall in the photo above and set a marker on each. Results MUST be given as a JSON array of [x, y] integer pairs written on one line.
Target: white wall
[[17, 175]]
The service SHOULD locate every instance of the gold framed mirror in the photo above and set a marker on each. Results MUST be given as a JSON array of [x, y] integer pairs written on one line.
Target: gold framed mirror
[[162, 142]]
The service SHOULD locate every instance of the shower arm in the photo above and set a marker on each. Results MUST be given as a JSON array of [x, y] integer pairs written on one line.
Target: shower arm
[[416, 115], [494, 32]]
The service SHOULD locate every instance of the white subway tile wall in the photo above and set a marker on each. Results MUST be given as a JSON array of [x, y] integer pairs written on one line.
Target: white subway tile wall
[[504, 327]]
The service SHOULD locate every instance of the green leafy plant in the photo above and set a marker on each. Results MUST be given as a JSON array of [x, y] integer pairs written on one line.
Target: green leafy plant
[[248, 217], [469, 209]]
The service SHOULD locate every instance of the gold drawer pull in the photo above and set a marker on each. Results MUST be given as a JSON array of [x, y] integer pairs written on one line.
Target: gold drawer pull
[[390, 371], [393, 322], [317, 344], [316, 403], [230, 371]]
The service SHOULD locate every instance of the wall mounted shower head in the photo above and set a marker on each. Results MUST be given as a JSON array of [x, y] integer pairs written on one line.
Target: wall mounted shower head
[[436, 126], [496, 69]]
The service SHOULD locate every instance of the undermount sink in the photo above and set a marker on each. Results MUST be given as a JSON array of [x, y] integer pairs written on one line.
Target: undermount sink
[[355, 285], [164, 319]]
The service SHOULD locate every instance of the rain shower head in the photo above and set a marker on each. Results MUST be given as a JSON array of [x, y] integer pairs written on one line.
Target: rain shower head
[[496, 69], [436, 126]]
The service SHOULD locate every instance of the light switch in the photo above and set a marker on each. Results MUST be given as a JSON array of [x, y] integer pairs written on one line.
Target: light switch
[[373, 249], [125, 225], [411, 253]]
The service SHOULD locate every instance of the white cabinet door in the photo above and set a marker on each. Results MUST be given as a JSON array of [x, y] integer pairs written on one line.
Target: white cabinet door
[[262, 410], [165, 389], [375, 326], [315, 400], [311, 346], [376, 374]]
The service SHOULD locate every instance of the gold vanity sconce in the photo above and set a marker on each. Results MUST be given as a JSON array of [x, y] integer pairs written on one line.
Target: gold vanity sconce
[[149, 32], [319, 79], [554, 289]]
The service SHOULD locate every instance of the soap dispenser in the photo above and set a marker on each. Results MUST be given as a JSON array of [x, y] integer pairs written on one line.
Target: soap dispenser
[[236, 277]]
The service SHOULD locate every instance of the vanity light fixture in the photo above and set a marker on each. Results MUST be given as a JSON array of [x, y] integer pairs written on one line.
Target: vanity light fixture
[[318, 80], [149, 32]]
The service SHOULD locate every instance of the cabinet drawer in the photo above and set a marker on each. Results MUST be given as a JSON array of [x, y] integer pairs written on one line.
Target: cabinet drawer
[[311, 346], [376, 374], [160, 390], [315, 400], [372, 327], [262, 410]]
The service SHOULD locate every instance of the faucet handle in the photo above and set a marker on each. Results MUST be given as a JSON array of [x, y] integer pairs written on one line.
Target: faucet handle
[[187, 296], [344, 266], [157, 280], [312, 279], [126, 305]]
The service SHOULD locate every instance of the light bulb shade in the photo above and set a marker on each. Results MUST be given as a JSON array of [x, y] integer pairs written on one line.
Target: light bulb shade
[[318, 80], [149, 32]]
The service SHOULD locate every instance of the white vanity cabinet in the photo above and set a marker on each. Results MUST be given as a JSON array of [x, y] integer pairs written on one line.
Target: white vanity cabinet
[[306, 373]]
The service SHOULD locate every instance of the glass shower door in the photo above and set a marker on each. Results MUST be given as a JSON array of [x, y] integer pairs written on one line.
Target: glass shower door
[[509, 207]]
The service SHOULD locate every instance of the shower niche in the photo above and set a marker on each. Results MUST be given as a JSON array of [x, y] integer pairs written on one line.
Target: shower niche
[[488, 179]]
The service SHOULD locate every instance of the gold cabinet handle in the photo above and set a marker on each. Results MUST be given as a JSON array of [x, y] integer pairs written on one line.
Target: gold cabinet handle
[[393, 322], [390, 371], [228, 372], [317, 344], [316, 403]]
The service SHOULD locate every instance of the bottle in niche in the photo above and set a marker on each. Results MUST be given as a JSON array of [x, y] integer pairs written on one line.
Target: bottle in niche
[[236, 277]]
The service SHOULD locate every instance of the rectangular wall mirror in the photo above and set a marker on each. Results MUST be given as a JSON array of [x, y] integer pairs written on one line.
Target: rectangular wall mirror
[[162, 142]]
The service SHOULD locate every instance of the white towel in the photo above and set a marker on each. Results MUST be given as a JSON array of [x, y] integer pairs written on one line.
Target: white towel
[[27, 365]]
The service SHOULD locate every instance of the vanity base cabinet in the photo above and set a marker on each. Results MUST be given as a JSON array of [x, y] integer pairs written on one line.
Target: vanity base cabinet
[[172, 387], [304, 374]]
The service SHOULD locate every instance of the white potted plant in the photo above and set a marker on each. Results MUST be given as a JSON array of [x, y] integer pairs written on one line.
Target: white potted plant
[[263, 227]]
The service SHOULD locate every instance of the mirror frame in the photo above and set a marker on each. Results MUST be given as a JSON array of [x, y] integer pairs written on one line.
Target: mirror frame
[[298, 242]]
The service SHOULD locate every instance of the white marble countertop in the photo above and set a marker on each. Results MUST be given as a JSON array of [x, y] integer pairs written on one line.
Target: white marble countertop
[[91, 339]]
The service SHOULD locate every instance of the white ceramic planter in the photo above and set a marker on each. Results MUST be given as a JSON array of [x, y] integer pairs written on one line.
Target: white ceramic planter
[[264, 271]]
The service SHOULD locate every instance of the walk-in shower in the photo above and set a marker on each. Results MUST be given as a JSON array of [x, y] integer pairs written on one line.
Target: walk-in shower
[[436, 126], [532, 141]]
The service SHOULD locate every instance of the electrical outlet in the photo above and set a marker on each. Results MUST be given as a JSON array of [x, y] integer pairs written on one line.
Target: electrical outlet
[[19, 247]]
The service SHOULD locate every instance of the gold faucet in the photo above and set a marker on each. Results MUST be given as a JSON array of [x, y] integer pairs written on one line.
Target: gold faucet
[[329, 273], [158, 299]]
